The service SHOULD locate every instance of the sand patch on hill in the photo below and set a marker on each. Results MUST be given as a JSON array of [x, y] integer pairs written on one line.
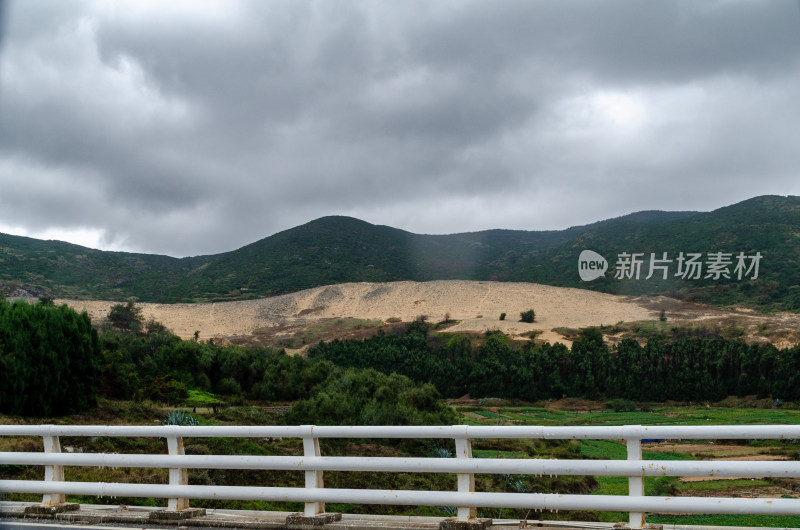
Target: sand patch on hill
[[477, 305]]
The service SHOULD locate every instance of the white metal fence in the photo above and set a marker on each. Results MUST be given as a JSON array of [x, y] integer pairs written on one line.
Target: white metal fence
[[315, 495]]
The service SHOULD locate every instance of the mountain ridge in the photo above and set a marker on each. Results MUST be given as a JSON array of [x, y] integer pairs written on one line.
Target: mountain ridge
[[339, 249]]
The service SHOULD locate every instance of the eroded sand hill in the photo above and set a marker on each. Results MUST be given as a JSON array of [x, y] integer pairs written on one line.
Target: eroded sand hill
[[477, 305]]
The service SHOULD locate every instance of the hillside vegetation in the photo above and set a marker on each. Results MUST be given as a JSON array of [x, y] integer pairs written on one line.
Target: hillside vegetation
[[334, 250]]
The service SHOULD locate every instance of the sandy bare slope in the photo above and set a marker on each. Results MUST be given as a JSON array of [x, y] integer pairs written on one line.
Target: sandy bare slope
[[476, 304]]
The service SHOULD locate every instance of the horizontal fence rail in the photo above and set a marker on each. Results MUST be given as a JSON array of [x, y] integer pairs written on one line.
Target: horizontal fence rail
[[623, 432], [536, 501], [314, 495], [608, 468]]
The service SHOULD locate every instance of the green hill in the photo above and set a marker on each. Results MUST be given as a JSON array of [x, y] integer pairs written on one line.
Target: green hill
[[55, 268], [338, 249], [769, 225]]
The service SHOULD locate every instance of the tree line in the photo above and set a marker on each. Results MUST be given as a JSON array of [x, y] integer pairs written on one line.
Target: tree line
[[686, 369], [155, 364], [53, 362]]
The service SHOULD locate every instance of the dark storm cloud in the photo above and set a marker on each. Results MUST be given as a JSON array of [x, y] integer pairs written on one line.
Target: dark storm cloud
[[188, 128]]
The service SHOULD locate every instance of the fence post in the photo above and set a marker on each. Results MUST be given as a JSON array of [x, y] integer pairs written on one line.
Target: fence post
[[313, 478], [635, 484], [53, 473], [177, 476], [466, 481]]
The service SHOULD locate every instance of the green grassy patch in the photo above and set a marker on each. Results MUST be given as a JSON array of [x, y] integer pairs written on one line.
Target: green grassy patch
[[568, 333], [317, 331], [723, 485], [690, 415], [538, 413], [625, 418], [490, 414], [490, 453], [771, 521], [611, 450], [730, 416]]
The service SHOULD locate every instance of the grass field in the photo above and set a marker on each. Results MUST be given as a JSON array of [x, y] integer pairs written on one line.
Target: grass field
[[664, 415], [593, 413]]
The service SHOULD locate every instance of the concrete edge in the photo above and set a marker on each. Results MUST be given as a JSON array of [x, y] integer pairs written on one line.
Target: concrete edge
[[253, 519]]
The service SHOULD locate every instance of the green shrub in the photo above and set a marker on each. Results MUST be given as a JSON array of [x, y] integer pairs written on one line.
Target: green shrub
[[527, 316], [199, 398], [368, 397], [126, 317], [622, 405], [229, 387], [442, 452], [49, 359], [179, 417], [664, 487], [502, 316]]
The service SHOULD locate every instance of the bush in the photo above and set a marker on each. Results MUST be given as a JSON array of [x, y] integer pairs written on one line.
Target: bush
[[179, 417], [126, 317], [442, 452], [664, 487], [502, 316], [527, 316], [622, 405], [368, 397], [199, 398], [229, 387], [175, 391]]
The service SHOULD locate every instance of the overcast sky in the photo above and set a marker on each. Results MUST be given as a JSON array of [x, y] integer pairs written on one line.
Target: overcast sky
[[191, 127]]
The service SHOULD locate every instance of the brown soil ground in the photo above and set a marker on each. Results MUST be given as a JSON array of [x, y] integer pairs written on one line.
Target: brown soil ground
[[764, 492], [730, 452], [476, 306], [717, 451]]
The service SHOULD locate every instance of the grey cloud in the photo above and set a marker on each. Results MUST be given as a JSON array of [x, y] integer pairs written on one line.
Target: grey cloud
[[630, 41], [202, 132]]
